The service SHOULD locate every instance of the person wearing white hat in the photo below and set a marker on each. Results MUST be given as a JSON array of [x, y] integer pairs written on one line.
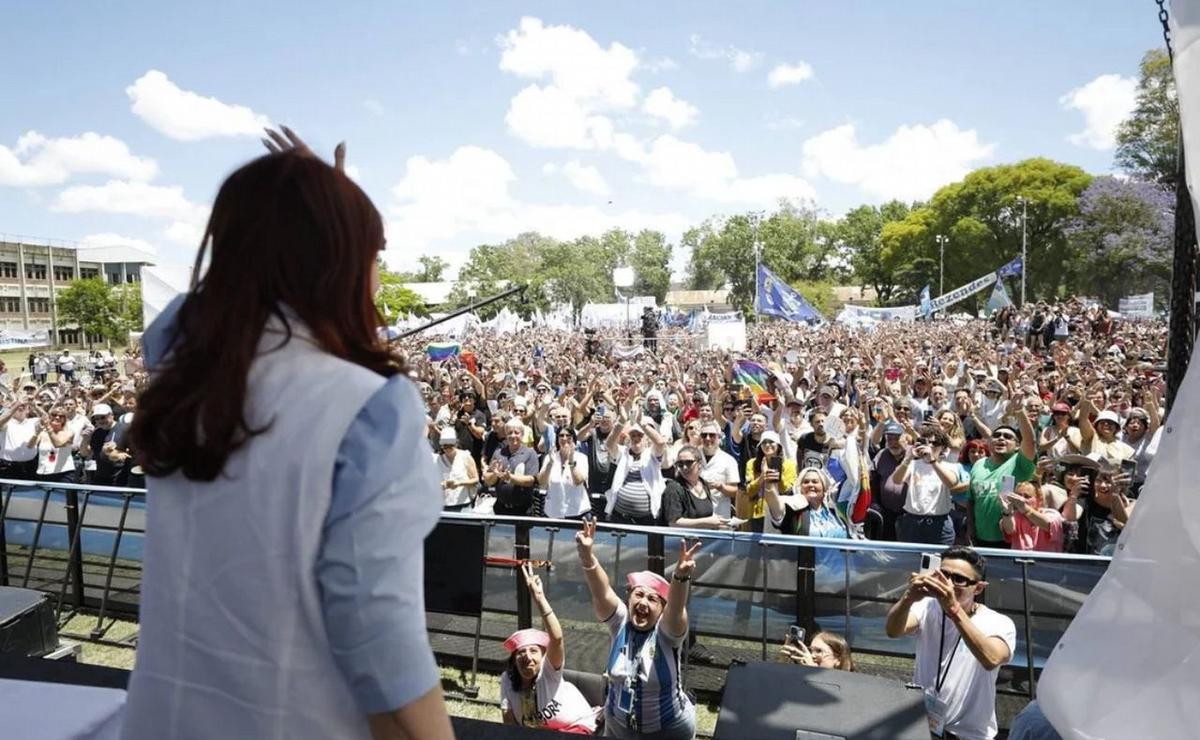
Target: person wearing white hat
[[533, 692], [458, 472], [768, 469], [1100, 437]]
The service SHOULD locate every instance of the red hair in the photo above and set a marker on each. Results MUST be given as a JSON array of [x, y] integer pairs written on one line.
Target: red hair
[[286, 229], [964, 457]]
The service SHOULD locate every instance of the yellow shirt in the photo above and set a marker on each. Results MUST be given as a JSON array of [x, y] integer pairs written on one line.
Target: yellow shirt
[[751, 504]]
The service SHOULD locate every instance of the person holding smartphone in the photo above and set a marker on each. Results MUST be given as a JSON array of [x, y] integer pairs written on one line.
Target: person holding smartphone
[[929, 480], [825, 650], [767, 469]]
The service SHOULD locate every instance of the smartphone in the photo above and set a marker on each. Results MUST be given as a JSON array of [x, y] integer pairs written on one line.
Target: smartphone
[[775, 463], [796, 634], [1008, 484], [1128, 467], [602, 409], [930, 562]]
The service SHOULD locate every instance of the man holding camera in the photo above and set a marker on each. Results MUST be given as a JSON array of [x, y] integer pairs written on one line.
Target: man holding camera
[[961, 643], [929, 480]]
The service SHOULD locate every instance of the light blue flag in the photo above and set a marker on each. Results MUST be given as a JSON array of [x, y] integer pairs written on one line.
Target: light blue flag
[[777, 298], [1012, 269], [926, 303], [999, 298]]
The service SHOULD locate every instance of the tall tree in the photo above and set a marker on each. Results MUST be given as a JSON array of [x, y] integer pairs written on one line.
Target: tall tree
[[432, 269], [651, 263], [1147, 140], [723, 253], [857, 236], [395, 301], [90, 305], [1123, 239]]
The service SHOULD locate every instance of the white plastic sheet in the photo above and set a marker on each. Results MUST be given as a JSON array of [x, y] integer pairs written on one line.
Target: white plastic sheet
[[160, 284]]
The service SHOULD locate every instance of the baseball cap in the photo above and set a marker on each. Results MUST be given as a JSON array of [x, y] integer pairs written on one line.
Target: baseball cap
[[1110, 416], [769, 437], [892, 427], [101, 409], [448, 437]]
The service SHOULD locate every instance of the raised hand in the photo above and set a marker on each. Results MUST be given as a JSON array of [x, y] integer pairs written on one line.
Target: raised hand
[[586, 537], [686, 563], [289, 141], [533, 582]]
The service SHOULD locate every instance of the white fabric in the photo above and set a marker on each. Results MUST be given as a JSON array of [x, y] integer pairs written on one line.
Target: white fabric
[[455, 471], [63, 461], [563, 497], [928, 494], [160, 285], [969, 691], [232, 630], [719, 470], [1145, 684], [16, 440], [560, 704]]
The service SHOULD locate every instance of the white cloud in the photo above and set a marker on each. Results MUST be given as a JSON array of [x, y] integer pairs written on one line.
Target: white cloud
[[660, 64], [439, 201], [573, 61], [777, 122], [373, 106], [681, 165], [548, 117], [789, 74], [39, 160], [662, 103], [187, 116], [911, 164], [586, 178], [739, 60], [131, 198], [109, 239], [1104, 102]]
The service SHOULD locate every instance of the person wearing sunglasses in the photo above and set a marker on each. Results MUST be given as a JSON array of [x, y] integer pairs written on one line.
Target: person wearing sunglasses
[[564, 477], [719, 469], [458, 472], [961, 643], [688, 501], [1012, 453]]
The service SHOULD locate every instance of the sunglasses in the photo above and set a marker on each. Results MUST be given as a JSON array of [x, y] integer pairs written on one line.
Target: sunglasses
[[958, 579], [685, 463], [708, 435], [1004, 435]]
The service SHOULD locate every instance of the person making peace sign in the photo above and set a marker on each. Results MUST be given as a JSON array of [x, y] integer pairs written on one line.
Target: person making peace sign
[[645, 695]]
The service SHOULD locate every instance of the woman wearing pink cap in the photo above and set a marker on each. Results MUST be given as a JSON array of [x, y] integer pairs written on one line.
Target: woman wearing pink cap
[[532, 690], [645, 694]]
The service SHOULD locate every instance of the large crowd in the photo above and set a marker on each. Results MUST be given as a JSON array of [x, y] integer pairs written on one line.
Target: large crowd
[[1032, 429]]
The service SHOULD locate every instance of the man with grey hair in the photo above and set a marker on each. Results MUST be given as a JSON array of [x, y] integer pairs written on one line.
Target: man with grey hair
[[512, 473]]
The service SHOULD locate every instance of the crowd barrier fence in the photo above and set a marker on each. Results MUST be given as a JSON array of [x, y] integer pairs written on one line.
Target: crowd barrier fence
[[83, 545]]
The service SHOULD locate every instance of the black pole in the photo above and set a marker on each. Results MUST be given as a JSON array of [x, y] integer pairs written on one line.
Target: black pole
[[1182, 334], [521, 552], [464, 309]]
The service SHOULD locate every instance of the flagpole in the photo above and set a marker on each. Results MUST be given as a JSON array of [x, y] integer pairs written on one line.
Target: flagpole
[[757, 262]]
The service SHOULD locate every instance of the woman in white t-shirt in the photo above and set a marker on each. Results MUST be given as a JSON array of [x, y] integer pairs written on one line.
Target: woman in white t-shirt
[[564, 477], [54, 442], [459, 474], [532, 690]]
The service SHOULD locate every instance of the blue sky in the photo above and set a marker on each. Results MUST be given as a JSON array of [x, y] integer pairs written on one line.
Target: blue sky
[[469, 123]]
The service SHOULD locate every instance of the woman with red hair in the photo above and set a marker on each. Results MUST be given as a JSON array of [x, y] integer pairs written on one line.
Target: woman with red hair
[[289, 485]]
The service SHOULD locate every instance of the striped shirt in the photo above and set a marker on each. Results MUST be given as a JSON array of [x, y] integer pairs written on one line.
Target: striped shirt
[[659, 701], [633, 498]]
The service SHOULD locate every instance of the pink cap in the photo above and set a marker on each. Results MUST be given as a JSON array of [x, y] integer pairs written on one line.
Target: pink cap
[[521, 638], [652, 581]]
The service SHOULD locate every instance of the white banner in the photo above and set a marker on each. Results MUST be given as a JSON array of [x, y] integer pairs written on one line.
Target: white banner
[[854, 314], [726, 318], [727, 335], [17, 338], [956, 295], [1137, 306]]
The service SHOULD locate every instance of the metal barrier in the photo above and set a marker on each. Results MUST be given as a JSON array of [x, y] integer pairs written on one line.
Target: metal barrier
[[83, 544]]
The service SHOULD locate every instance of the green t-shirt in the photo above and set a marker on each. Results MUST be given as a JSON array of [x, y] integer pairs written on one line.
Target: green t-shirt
[[985, 491]]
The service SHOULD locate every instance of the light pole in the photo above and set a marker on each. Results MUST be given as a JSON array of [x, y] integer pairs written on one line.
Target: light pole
[[941, 240], [1024, 259], [623, 278]]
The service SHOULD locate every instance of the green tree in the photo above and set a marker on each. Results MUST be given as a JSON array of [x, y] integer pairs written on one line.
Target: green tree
[[128, 298], [432, 269], [395, 301], [491, 268], [982, 216], [1147, 141], [651, 263], [857, 235], [723, 254], [91, 305]]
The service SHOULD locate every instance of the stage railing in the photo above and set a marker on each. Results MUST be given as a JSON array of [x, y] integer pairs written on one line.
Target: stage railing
[[83, 544]]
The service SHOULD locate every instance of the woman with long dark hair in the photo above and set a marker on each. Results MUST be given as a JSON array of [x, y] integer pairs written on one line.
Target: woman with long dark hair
[[289, 488]]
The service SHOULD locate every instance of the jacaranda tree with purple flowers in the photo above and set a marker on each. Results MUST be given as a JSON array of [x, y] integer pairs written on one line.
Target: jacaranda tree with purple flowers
[[1122, 239]]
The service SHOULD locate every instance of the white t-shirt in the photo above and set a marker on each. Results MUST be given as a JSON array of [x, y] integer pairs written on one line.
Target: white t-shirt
[[719, 470], [928, 494], [559, 705], [563, 497], [969, 692], [53, 460], [16, 440]]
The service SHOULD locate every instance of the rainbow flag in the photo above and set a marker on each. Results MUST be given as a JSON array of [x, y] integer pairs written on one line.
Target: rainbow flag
[[752, 375], [440, 351]]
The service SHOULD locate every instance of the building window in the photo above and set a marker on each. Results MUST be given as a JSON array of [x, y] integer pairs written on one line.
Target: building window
[[88, 273], [39, 305], [8, 269], [35, 272], [10, 305], [64, 274]]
